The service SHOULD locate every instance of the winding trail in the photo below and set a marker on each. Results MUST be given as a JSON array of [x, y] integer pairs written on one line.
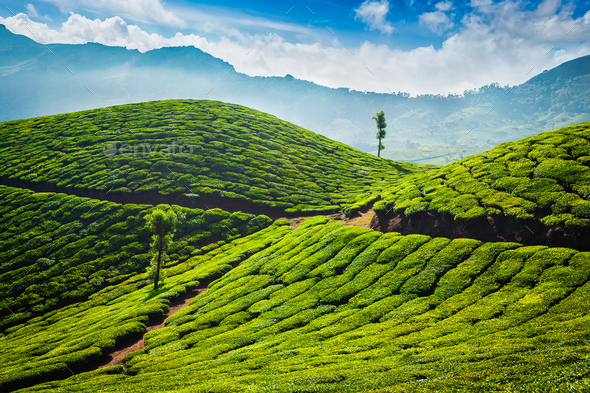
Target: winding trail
[[116, 357], [491, 228], [153, 197]]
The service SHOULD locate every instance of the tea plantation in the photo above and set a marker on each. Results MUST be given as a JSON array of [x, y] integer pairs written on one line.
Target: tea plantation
[[331, 308], [319, 307], [202, 150], [56, 249], [544, 177]]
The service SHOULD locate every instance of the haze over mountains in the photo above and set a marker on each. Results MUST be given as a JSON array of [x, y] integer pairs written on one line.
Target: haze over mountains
[[39, 80]]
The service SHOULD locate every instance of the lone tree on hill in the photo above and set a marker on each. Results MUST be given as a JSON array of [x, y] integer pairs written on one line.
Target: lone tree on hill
[[163, 225], [381, 125]]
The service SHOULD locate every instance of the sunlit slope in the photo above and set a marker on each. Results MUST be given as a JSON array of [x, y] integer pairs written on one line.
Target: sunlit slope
[[544, 177], [64, 342], [56, 249], [203, 151], [332, 308]]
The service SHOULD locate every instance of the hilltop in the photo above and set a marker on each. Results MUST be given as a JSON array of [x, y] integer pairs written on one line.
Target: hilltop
[[535, 190], [201, 154]]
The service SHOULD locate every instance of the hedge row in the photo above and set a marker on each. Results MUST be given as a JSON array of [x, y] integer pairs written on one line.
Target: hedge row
[[546, 176], [331, 308], [56, 248], [80, 334]]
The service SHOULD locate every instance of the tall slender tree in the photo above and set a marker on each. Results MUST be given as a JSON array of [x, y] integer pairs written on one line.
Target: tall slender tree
[[381, 125], [163, 225]]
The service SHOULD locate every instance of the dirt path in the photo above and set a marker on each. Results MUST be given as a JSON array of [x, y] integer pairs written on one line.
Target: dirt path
[[117, 356], [362, 219]]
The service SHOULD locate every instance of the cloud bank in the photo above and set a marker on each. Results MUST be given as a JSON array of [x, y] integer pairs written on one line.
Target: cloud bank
[[495, 42]]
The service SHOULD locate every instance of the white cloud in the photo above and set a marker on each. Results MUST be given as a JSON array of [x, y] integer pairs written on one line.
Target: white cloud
[[495, 43], [444, 6], [149, 11], [373, 14], [438, 21], [32, 12], [112, 31]]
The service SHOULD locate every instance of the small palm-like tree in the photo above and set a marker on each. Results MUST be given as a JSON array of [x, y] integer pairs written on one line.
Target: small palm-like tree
[[163, 225], [381, 125]]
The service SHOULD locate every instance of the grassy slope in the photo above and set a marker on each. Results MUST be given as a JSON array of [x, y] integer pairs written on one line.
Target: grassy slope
[[229, 152], [56, 248], [546, 176], [333, 308]]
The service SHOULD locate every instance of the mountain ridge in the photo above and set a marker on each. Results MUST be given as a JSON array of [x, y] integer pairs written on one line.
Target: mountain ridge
[[456, 122]]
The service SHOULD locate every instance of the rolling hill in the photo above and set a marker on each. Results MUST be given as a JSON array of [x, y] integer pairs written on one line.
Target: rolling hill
[[436, 296], [535, 190], [201, 154], [330, 308]]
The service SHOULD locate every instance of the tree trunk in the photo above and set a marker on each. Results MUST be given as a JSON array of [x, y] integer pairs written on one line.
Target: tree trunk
[[379, 148], [158, 265]]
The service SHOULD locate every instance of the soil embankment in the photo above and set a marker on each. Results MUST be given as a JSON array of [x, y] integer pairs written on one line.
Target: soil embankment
[[431, 223], [363, 219], [488, 229]]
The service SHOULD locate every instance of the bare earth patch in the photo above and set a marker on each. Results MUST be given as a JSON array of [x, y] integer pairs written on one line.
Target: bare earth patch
[[296, 221], [361, 219]]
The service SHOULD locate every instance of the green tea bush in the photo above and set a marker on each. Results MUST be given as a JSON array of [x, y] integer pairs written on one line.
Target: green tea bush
[[178, 147], [398, 307], [42, 265], [540, 177]]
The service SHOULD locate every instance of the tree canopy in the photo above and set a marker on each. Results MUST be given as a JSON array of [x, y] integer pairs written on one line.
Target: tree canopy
[[381, 125], [163, 225]]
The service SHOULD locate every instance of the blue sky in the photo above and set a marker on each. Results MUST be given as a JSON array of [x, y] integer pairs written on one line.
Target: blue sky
[[419, 47], [312, 15]]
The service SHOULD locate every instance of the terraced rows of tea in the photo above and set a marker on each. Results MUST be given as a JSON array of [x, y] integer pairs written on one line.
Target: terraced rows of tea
[[56, 249], [333, 308], [319, 307], [545, 177], [205, 151]]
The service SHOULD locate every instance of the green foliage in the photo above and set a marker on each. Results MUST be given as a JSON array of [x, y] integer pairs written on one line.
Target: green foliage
[[541, 177], [381, 133], [199, 149], [163, 226], [56, 249], [330, 308], [323, 307]]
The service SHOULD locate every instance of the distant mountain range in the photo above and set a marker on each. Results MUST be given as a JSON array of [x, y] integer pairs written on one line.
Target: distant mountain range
[[38, 80]]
